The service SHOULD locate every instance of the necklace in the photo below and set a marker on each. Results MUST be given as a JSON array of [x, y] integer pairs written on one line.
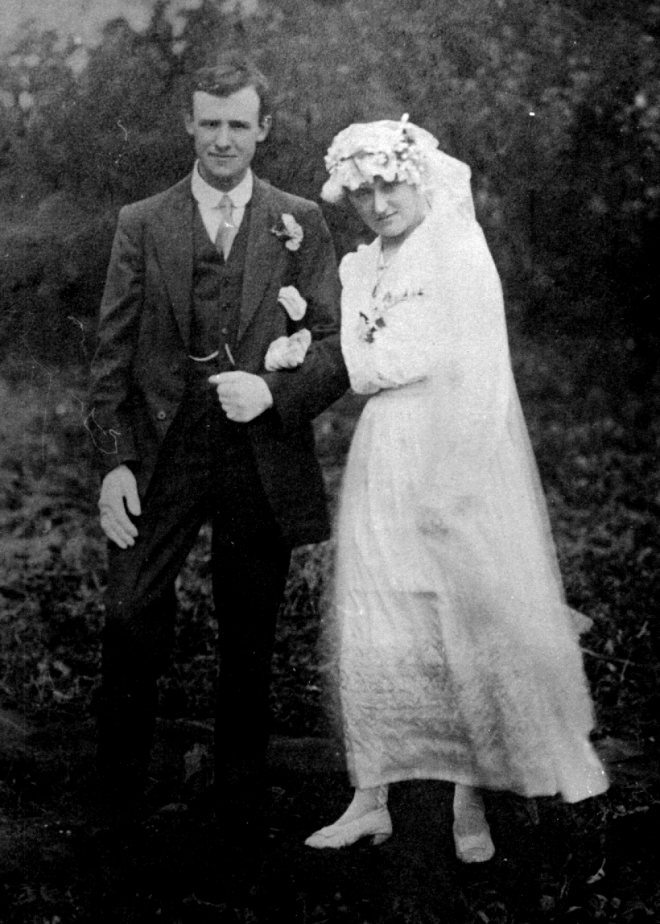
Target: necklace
[[383, 263]]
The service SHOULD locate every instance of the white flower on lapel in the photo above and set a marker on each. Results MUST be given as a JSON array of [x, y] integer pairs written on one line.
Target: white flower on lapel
[[293, 303], [288, 231], [288, 352]]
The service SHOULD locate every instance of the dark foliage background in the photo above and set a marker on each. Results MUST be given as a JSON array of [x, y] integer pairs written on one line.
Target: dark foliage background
[[556, 107]]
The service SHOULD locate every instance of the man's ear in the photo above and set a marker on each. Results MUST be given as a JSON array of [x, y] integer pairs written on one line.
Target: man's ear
[[264, 127], [189, 122]]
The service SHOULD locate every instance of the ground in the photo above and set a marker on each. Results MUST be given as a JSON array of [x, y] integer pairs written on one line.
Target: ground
[[64, 861]]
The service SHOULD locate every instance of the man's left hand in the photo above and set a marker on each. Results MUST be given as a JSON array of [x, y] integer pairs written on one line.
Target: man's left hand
[[243, 396]]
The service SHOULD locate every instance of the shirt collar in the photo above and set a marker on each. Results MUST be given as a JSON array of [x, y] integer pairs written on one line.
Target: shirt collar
[[210, 197]]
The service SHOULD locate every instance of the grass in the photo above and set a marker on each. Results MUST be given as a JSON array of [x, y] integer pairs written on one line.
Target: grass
[[596, 442]]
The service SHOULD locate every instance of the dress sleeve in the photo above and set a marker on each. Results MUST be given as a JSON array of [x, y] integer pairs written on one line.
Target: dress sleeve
[[404, 349]]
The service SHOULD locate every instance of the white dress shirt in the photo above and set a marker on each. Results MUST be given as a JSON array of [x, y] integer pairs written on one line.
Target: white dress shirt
[[208, 199]]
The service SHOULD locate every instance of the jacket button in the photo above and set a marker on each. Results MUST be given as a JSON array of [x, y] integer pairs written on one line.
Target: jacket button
[[161, 415]]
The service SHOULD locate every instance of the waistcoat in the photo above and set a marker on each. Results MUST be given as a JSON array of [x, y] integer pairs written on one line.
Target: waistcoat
[[217, 287]]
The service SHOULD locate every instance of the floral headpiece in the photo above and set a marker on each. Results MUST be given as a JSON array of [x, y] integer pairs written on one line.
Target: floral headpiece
[[364, 150]]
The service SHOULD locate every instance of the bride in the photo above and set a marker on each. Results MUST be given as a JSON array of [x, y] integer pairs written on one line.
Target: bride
[[456, 657]]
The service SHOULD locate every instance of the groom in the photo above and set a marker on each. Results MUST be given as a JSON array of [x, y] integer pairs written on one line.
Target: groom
[[190, 427]]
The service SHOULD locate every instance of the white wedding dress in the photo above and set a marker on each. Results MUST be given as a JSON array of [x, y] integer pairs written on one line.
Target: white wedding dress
[[455, 655]]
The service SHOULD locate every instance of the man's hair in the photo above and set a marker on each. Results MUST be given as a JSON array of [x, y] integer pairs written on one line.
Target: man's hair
[[231, 73]]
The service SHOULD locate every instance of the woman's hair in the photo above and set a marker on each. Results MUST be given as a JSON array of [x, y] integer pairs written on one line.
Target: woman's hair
[[233, 72]]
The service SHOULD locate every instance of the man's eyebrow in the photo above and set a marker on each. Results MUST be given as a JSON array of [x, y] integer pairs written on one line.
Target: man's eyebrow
[[211, 120]]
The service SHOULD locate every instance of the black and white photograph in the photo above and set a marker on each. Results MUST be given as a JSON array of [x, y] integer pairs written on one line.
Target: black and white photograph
[[329, 461]]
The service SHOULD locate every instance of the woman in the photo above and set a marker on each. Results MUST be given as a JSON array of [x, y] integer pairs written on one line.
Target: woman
[[456, 656]]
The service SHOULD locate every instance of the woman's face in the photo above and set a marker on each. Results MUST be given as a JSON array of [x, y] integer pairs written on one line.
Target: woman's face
[[389, 209]]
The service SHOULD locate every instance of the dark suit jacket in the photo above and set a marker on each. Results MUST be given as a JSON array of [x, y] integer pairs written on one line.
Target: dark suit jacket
[[139, 369]]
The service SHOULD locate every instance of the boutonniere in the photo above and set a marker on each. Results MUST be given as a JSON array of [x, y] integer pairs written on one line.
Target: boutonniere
[[293, 303], [288, 231]]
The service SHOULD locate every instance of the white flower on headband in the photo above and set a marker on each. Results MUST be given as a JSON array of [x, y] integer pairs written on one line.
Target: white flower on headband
[[388, 149]]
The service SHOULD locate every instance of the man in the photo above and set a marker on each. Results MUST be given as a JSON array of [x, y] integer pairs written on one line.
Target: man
[[191, 427]]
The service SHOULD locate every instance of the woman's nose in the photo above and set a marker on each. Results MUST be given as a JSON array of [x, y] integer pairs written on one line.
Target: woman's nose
[[380, 202]]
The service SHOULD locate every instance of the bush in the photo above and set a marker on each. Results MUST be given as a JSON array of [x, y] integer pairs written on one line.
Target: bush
[[603, 490], [556, 108]]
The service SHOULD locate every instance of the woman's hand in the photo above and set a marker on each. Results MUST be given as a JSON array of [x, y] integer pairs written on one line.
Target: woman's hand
[[288, 352]]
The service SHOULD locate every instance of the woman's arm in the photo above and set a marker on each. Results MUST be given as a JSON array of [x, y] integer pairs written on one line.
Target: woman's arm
[[395, 346]]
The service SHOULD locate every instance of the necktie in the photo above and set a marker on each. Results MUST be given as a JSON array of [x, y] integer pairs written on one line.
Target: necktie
[[227, 229]]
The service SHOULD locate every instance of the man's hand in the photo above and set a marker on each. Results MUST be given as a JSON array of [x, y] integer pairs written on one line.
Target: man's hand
[[243, 396], [119, 491]]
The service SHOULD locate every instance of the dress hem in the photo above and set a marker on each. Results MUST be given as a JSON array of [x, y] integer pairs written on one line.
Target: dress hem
[[464, 780]]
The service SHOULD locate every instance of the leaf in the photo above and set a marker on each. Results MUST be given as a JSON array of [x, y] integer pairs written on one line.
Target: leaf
[[195, 761], [598, 875], [616, 750]]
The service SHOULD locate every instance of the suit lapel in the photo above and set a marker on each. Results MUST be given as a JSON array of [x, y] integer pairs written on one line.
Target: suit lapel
[[264, 252], [173, 234]]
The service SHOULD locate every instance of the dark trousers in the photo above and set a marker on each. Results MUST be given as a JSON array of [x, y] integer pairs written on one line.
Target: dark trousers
[[206, 471]]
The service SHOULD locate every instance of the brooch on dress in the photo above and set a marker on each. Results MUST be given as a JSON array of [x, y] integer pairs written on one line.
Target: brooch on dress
[[369, 323]]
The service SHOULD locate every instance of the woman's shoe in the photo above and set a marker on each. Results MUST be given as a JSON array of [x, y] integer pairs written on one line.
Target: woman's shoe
[[473, 842], [376, 824], [471, 832]]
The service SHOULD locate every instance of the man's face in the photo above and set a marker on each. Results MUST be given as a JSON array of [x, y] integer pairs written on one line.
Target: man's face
[[226, 131]]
